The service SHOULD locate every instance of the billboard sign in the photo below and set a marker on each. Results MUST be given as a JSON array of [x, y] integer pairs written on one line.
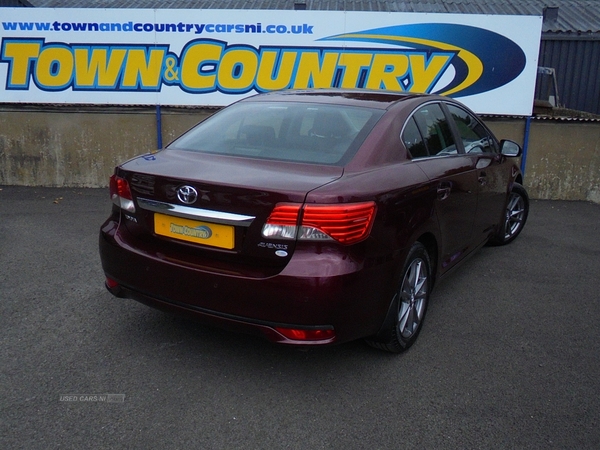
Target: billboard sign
[[214, 57]]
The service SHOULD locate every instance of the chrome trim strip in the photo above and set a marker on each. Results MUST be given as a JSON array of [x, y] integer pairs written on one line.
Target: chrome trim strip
[[195, 213]]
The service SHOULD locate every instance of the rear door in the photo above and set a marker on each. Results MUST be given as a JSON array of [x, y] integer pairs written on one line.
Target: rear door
[[428, 137]]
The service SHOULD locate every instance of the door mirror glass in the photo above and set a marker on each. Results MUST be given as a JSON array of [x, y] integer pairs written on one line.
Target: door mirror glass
[[510, 148]]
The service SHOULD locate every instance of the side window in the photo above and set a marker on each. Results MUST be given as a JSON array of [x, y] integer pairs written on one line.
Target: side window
[[413, 140], [434, 128], [474, 136]]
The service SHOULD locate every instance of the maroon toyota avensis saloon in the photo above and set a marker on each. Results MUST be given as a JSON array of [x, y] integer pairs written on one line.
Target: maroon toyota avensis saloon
[[312, 217]]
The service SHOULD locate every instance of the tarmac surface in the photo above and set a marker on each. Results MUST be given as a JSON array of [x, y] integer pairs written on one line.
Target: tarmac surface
[[509, 356]]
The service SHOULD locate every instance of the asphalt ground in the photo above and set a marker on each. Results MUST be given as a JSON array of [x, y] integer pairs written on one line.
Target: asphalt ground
[[509, 356]]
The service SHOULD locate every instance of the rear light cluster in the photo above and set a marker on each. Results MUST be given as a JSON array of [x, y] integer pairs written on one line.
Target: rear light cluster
[[120, 194], [347, 223]]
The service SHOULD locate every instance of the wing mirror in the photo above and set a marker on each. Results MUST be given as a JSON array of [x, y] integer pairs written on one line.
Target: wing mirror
[[509, 148]]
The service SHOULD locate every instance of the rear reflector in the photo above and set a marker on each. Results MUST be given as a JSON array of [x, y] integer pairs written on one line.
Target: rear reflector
[[110, 283], [307, 335], [347, 223]]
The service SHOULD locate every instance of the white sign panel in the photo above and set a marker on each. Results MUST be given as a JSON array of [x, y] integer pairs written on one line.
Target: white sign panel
[[214, 57]]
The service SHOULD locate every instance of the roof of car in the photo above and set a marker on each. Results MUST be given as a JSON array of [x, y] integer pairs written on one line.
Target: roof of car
[[357, 97]]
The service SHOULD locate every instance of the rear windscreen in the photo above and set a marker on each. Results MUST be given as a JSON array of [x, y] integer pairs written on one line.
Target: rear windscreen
[[300, 132]]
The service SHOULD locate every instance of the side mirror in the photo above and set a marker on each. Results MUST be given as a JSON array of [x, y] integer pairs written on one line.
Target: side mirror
[[510, 148]]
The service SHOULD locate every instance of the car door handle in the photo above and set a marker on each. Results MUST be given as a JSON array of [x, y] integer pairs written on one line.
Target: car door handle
[[443, 190], [482, 178]]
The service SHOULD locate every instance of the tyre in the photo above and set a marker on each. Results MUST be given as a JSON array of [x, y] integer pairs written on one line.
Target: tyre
[[409, 303], [515, 216]]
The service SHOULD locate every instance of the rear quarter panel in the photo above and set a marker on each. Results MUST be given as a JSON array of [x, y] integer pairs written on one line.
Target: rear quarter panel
[[405, 208]]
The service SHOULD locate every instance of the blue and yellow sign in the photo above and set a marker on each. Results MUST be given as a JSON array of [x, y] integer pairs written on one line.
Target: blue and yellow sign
[[150, 61]]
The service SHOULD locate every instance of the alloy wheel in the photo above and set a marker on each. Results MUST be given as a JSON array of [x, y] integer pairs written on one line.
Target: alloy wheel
[[515, 213], [413, 298]]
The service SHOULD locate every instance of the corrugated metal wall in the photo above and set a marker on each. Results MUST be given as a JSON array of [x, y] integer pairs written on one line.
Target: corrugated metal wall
[[577, 65], [13, 3]]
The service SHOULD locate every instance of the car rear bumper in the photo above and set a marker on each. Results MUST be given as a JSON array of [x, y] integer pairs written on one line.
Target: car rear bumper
[[315, 291], [221, 320]]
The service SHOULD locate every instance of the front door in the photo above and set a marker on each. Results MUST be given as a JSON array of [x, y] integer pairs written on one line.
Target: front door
[[492, 172]]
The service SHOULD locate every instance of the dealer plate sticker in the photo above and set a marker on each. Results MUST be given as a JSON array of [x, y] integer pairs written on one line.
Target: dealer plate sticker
[[212, 234]]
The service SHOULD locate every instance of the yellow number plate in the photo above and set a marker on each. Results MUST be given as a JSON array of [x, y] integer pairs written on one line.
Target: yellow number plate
[[215, 235]]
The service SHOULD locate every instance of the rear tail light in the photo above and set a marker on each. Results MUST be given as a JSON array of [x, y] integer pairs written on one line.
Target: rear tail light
[[120, 194], [283, 222], [346, 223]]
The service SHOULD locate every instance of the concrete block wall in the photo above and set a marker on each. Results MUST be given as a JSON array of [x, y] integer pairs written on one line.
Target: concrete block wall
[[78, 146], [563, 156]]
